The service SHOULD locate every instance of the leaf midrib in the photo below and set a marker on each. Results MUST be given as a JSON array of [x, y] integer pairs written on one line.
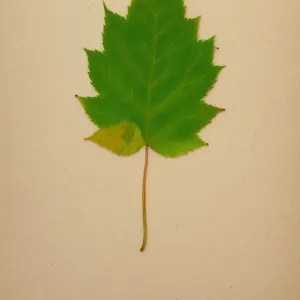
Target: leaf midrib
[[154, 50]]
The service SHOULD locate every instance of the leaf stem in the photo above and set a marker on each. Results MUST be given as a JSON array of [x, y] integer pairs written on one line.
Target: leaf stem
[[144, 188]]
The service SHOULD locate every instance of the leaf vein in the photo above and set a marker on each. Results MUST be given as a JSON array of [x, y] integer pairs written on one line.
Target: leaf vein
[[173, 93]]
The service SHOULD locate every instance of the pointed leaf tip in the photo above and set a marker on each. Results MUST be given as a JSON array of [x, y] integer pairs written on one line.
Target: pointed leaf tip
[[86, 50], [80, 99], [106, 9], [104, 5]]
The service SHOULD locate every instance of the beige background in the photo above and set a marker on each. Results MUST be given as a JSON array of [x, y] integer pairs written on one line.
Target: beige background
[[224, 221]]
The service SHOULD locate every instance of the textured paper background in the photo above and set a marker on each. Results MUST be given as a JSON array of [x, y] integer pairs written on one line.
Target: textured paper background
[[224, 222]]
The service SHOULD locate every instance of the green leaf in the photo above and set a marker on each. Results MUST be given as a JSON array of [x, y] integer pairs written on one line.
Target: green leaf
[[122, 139], [153, 75]]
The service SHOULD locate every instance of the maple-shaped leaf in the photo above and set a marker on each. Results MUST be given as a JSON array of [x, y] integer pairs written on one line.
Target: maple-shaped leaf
[[151, 78]]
